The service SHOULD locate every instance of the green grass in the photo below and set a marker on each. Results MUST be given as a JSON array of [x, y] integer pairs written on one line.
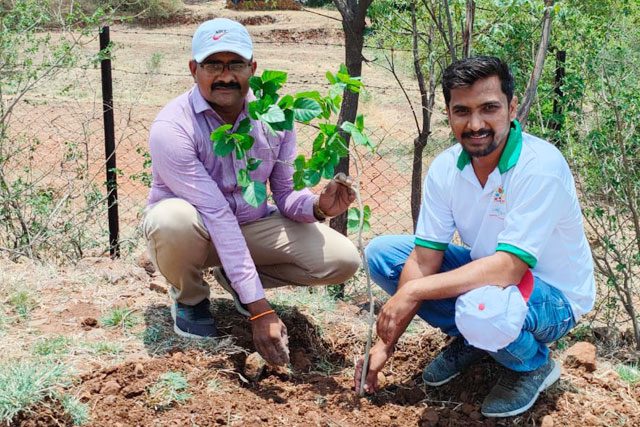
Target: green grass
[[629, 373], [23, 384], [316, 301], [52, 346], [151, 335], [581, 332], [103, 347], [78, 411], [23, 303], [216, 386], [168, 390], [120, 317]]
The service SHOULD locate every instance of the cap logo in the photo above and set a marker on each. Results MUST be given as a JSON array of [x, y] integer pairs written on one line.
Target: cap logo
[[218, 34], [481, 306]]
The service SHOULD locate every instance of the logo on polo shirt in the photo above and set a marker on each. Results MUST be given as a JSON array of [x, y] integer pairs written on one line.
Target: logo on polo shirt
[[498, 207], [218, 35]]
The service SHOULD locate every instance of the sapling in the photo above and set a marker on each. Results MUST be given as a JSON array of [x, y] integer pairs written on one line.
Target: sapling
[[279, 113]]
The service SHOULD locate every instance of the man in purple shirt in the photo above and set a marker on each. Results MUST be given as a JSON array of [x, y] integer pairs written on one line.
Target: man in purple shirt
[[196, 215]]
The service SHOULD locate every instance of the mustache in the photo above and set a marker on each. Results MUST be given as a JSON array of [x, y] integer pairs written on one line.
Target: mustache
[[481, 133], [223, 85]]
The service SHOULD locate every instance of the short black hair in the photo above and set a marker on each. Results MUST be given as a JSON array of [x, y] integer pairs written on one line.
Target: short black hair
[[466, 72]]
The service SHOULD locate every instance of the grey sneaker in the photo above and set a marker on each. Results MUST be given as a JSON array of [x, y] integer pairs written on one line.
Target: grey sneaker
[[193, 321], [516, 392], [453, 359], [223, 280]]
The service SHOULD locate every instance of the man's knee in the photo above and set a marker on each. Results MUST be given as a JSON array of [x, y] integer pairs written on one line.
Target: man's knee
[[347, 263], [174, 219], [377, 255]]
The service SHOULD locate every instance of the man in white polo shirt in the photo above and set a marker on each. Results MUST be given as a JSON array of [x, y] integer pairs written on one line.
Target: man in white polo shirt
[[512, 200]]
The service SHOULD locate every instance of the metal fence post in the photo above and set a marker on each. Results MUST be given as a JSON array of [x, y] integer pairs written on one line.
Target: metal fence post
[[109, 144]]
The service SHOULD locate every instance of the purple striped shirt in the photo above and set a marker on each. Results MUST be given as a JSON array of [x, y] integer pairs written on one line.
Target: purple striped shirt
[[184, 166]]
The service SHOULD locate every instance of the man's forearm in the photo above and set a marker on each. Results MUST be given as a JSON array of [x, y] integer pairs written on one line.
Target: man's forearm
[[500, 269]]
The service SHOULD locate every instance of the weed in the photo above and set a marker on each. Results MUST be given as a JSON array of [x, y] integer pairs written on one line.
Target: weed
[[629, 373], [104, 347], [151, 335], [562, 344], [216, 386], [78, 411], [120, 317], [23, 303], [168, 390], [314, 301], [581, 332], [25, 383], [52, 346], [325, 367]]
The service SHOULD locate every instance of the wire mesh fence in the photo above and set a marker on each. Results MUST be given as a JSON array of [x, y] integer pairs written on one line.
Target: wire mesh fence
[[57, 168]]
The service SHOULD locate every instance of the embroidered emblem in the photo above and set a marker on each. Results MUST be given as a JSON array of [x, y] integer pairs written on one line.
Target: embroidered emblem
[[218, 35], [498, 206]]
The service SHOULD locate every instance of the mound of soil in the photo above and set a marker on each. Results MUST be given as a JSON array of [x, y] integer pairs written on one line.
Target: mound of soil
[[257, 20], [264, 5], [317, 389]]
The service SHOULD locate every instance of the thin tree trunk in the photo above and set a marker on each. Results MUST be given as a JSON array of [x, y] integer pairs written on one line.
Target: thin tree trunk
[[532, 86], [468, 28], [353, 23]]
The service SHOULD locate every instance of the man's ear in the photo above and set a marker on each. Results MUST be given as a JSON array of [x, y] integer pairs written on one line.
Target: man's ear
[[254, 66], [513, 108], [193, 66]]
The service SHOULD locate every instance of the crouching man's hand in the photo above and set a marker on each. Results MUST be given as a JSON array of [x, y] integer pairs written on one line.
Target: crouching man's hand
[[269, 334], [337, 195]]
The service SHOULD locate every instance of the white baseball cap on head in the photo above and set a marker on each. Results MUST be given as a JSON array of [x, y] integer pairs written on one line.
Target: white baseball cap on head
[[221, 35], [491, 317]]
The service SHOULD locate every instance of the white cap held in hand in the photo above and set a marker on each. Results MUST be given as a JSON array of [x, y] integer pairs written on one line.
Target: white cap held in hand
[[491, 317]]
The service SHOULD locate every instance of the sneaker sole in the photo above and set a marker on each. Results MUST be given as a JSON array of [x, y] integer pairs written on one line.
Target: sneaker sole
[[553, 376], [439, 383], [179, 331]]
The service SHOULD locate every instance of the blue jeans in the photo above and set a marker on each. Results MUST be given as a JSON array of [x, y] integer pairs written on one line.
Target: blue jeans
[[549, 316]]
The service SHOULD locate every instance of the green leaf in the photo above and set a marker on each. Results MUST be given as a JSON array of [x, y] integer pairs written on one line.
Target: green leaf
[[273, 115], [331, 78], [220, 133], [276, 77], [311, 178], [224, 147], [255, 83], [318, 142], [306, 109], [243, 178], [360, 122], [244, 126], [287, 124], [298, 180], [299, 163], [255, 193], [286, 102], [252, 163], [328, 171]]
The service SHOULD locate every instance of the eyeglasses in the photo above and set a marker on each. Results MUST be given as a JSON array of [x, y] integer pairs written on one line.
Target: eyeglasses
[[214, 68]]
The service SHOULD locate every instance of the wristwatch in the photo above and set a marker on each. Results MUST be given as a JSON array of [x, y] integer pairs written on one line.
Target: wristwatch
[[317, 212]]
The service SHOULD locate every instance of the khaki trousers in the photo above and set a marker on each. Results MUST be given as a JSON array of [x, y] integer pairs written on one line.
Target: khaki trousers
[[285, 252]]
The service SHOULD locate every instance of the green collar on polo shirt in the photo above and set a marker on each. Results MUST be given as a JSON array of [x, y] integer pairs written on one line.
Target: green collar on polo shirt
[[510, 154]]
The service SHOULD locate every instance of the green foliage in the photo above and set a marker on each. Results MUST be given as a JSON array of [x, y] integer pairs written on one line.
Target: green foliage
[[52, 346], [36, 217], [353, 219], [23, 303], [279, 113], [167, 391], [120, 317], [23, 384], [104, 348], [629, 373], [78, 411]]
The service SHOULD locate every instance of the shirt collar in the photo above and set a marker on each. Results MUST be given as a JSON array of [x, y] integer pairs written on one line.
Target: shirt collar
[[510, 154]]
